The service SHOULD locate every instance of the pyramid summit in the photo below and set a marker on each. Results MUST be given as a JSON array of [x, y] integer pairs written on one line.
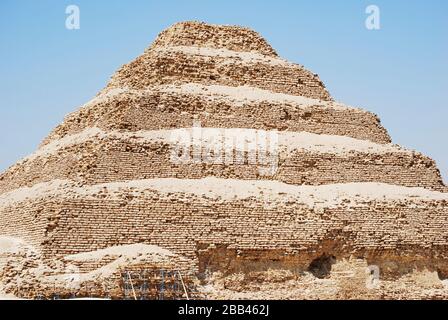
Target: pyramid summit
[[160, 172], [199, 34], [231, 56]]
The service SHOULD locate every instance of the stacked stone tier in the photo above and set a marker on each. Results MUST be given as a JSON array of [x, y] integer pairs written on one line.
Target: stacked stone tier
[[95, 156], [208, 66], [289, 224], [214, 36], [221, 107]]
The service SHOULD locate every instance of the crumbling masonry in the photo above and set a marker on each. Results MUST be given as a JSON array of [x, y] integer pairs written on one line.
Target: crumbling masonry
[[104, 178]]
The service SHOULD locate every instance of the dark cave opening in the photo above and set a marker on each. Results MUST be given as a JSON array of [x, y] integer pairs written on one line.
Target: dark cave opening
[[321, 266]]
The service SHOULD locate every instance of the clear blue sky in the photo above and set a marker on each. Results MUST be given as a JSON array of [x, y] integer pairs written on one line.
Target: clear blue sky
[[399, 72]]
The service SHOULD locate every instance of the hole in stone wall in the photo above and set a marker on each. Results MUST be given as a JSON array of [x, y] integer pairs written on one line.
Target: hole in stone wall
[[307, 115], [443, 274], [321, 266]]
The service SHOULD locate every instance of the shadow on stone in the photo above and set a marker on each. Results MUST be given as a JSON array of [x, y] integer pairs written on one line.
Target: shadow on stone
[[321, 266]]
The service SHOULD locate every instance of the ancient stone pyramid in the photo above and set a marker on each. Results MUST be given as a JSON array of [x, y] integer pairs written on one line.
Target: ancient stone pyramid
[[339, 189]]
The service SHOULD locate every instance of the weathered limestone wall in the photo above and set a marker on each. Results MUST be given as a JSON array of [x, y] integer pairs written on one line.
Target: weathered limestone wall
[[203, 35], [378, 230], [41, 170], [111, 159], [178, 67], [153, 110], [86, 189], [229, 55], [31, 222]]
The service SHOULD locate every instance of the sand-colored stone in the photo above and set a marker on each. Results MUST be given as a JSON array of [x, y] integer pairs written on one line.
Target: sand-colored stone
[[102, 194]]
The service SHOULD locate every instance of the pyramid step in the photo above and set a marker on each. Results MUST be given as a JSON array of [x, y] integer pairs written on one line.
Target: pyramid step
[[166, 107], [277, 216], [178, 65], [95, 156]]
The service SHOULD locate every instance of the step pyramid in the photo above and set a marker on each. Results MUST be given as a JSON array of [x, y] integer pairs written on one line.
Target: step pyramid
[[211, 146]]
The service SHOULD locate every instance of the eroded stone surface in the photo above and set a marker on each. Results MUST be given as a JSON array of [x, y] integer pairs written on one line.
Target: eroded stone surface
[[102, 196]]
